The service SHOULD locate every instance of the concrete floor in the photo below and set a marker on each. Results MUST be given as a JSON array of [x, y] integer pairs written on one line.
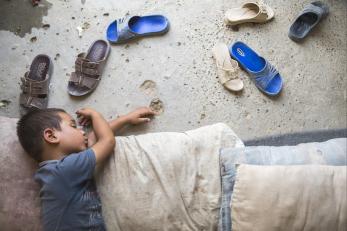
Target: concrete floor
[[180, 64]]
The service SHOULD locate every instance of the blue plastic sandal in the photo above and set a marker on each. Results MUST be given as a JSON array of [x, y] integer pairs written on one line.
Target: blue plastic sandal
[[262, 73], [128, 28]]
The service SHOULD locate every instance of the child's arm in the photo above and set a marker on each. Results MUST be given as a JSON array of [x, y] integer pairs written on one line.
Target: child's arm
[[138, 116], [105, 143]]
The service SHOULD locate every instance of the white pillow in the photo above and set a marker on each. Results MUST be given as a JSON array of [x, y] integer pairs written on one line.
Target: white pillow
[[305, 197]]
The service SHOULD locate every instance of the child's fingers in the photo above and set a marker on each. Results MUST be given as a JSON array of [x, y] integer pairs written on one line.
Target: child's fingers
[[79, 114], [79, 111], [82, 120], [82, 111], [85, 122], [147, 111], [144, 120]]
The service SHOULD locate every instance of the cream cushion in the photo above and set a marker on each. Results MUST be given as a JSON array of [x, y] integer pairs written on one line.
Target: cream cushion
[[305, 197]]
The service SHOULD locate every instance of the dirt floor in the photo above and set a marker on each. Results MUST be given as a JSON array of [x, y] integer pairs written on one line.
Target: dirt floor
[[175, 73]]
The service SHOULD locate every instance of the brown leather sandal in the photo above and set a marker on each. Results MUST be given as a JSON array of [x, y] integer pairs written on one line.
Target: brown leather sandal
[[88, 69], [35, 83]]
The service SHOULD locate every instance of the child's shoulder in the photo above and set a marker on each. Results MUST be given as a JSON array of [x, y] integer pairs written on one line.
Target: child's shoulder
[[74, 167]]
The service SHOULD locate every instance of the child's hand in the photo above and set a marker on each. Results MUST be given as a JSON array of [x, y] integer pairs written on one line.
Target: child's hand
[[140, 115], [85, 115]]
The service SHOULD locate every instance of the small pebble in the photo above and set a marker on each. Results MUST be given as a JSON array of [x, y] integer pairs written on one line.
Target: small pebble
[[4, 103], [33, 39], [46, 26]]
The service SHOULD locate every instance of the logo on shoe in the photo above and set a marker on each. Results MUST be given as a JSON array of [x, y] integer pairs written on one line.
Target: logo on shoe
[[240, 52], [40, 69]]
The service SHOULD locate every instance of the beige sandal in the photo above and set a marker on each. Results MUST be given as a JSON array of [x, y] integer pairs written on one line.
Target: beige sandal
[[227, 68], [250, 12]]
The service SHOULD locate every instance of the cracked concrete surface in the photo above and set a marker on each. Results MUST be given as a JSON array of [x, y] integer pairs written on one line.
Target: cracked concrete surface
[[180, 63]]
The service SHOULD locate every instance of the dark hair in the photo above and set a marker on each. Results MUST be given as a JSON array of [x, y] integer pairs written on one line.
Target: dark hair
[[31, 126]]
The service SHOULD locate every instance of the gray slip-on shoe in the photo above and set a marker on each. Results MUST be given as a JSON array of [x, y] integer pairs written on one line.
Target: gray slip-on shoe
[[307, 20]]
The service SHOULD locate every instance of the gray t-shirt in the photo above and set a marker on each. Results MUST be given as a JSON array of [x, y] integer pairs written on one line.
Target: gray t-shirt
[[68, 194]]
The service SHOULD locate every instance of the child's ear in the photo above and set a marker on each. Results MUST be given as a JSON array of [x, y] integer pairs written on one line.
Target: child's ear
[[50, 136]]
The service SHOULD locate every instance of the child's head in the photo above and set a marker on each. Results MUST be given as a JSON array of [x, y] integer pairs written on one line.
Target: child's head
[[52, 128]]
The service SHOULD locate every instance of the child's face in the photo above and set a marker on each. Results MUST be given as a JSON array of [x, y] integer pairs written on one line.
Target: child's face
[[71, 138]]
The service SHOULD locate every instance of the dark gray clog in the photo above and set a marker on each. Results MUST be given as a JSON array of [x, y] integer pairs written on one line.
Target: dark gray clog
[[312, 14]]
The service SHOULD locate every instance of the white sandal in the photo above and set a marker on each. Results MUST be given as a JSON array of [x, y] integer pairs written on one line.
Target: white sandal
[[227, 68], [257, 12]]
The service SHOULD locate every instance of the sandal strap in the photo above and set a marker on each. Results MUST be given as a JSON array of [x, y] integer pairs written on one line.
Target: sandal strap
[[264, 77], [232, 70], [231, 73], [312, 8], [262, 6], [123, 31], [227, 78], [29, 101], [83, 80], [33, 87], [86, 66], [263, 13]]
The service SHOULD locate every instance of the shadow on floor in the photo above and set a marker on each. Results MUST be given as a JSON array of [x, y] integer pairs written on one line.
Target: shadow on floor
[[20, 16]]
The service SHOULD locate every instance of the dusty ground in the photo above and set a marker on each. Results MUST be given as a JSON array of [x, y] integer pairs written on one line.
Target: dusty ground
[[177, 69]]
